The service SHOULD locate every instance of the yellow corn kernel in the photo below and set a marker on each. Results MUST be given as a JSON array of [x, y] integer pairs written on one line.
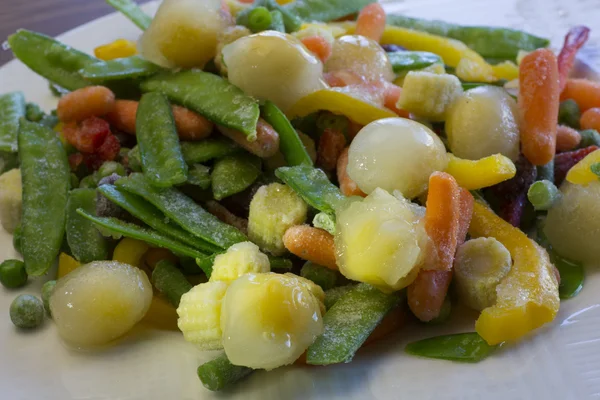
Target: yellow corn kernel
[[120, 48], [581, 174], [478, 174], [130, 251], [200, 315], [66, 264], [161, 314], [241, 258]]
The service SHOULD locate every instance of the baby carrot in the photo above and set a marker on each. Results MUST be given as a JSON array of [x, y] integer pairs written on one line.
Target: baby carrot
[[567, 138], [586, 93], [91, 101], [331, 145], [122, 116], [266, 143], [591, 119], [311, 244], [347, 186], [390, 99], [574, 40], [318, 45], [538, 105], [371, 22], [427, 293]]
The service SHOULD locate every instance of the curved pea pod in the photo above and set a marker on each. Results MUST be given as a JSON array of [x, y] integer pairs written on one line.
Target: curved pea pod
[[464, 347], [210, 96], [85, 241], [319, 10], [183, 211], [133, 67], [349, 322], [199, 175], [12, 108], [206, 150], [404, 61], [340, 101], [162, 161], [170, 281], [132, 11], [45, 190], [478, 174], [50, 58], [120, 228], [313, 186], [234, 174], [527, 297]]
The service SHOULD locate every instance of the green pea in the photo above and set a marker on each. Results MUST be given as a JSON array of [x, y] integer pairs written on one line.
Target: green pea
[[33, 112], [259, 19], [111, 167], [27, 311], [47, 289], [569, 113], [13, 274], [542, 194], [589, 137]]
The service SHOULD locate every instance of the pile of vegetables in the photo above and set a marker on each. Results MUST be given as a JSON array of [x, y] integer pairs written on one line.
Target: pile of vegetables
[[289, 181]]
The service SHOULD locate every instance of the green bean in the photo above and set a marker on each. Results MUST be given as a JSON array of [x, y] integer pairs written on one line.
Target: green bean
[[322, 276], [132, 11], [259, 19], [33, 112], [183, 211], [13, 274], [85, 242], [45, 177], [133, 67], [324, 221], [490, 42], [206, 150], [569, 113], [170, 281], [334, 294], [313, 186], [404, 61], [464, 347], [51, 59], [546, 172], [542, 194], [47, 289], [8, 161], [12, 108], [210, 96], [117, 228], [27, 311], [162, 161], [290, 144], [199, 175], [220, 373], [349, 322], [234, 174], [153, 217], [326, 10], [589, 137], [277, 21]]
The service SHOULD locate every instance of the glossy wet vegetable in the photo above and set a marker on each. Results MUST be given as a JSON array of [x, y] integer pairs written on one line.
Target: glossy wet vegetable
[[12, 108], [85, 241], [220, 373], [463, 347], [13, 274], [45, 188], [121, 68], [27, 311], [234, 174], [132, 11]]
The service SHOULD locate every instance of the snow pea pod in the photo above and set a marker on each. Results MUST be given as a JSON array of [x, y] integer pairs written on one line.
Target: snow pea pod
[[85, 241], [51, 59], [489, 42], [313, 186], [349, 322], [12, 108], [325, 10], [465, 347], [206, 150], [170, 281], [404, 61], [162, 161], [183, 211], [121, 68], [117, 227], [199, 175], [132, 11], [45, 177], [210, 96], [151, 216], [234, 174], [291, 146]]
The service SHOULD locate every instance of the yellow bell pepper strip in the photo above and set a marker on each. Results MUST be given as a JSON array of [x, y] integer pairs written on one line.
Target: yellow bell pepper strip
[[340, 101], [130, 251], [581, 173], [527, 297], [482, 173], [120, 48], [66, 264]]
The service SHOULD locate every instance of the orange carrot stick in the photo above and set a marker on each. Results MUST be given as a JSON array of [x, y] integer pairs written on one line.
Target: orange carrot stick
[[347, 185], [538, 105], [311, 244], [371, 22], [319, 46], [591, 119], [81, 104], [566, 138], [586, 93]]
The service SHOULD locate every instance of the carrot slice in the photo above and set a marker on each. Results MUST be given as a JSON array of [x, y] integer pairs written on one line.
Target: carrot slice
[[584, 92], [538, 104], [591, 119], [319, 46], [371, 22]]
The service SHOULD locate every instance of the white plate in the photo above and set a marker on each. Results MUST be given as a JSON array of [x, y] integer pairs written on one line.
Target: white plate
[[562, 361]]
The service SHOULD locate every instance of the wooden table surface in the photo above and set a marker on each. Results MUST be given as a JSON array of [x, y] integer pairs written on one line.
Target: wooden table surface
[[51, 17]]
